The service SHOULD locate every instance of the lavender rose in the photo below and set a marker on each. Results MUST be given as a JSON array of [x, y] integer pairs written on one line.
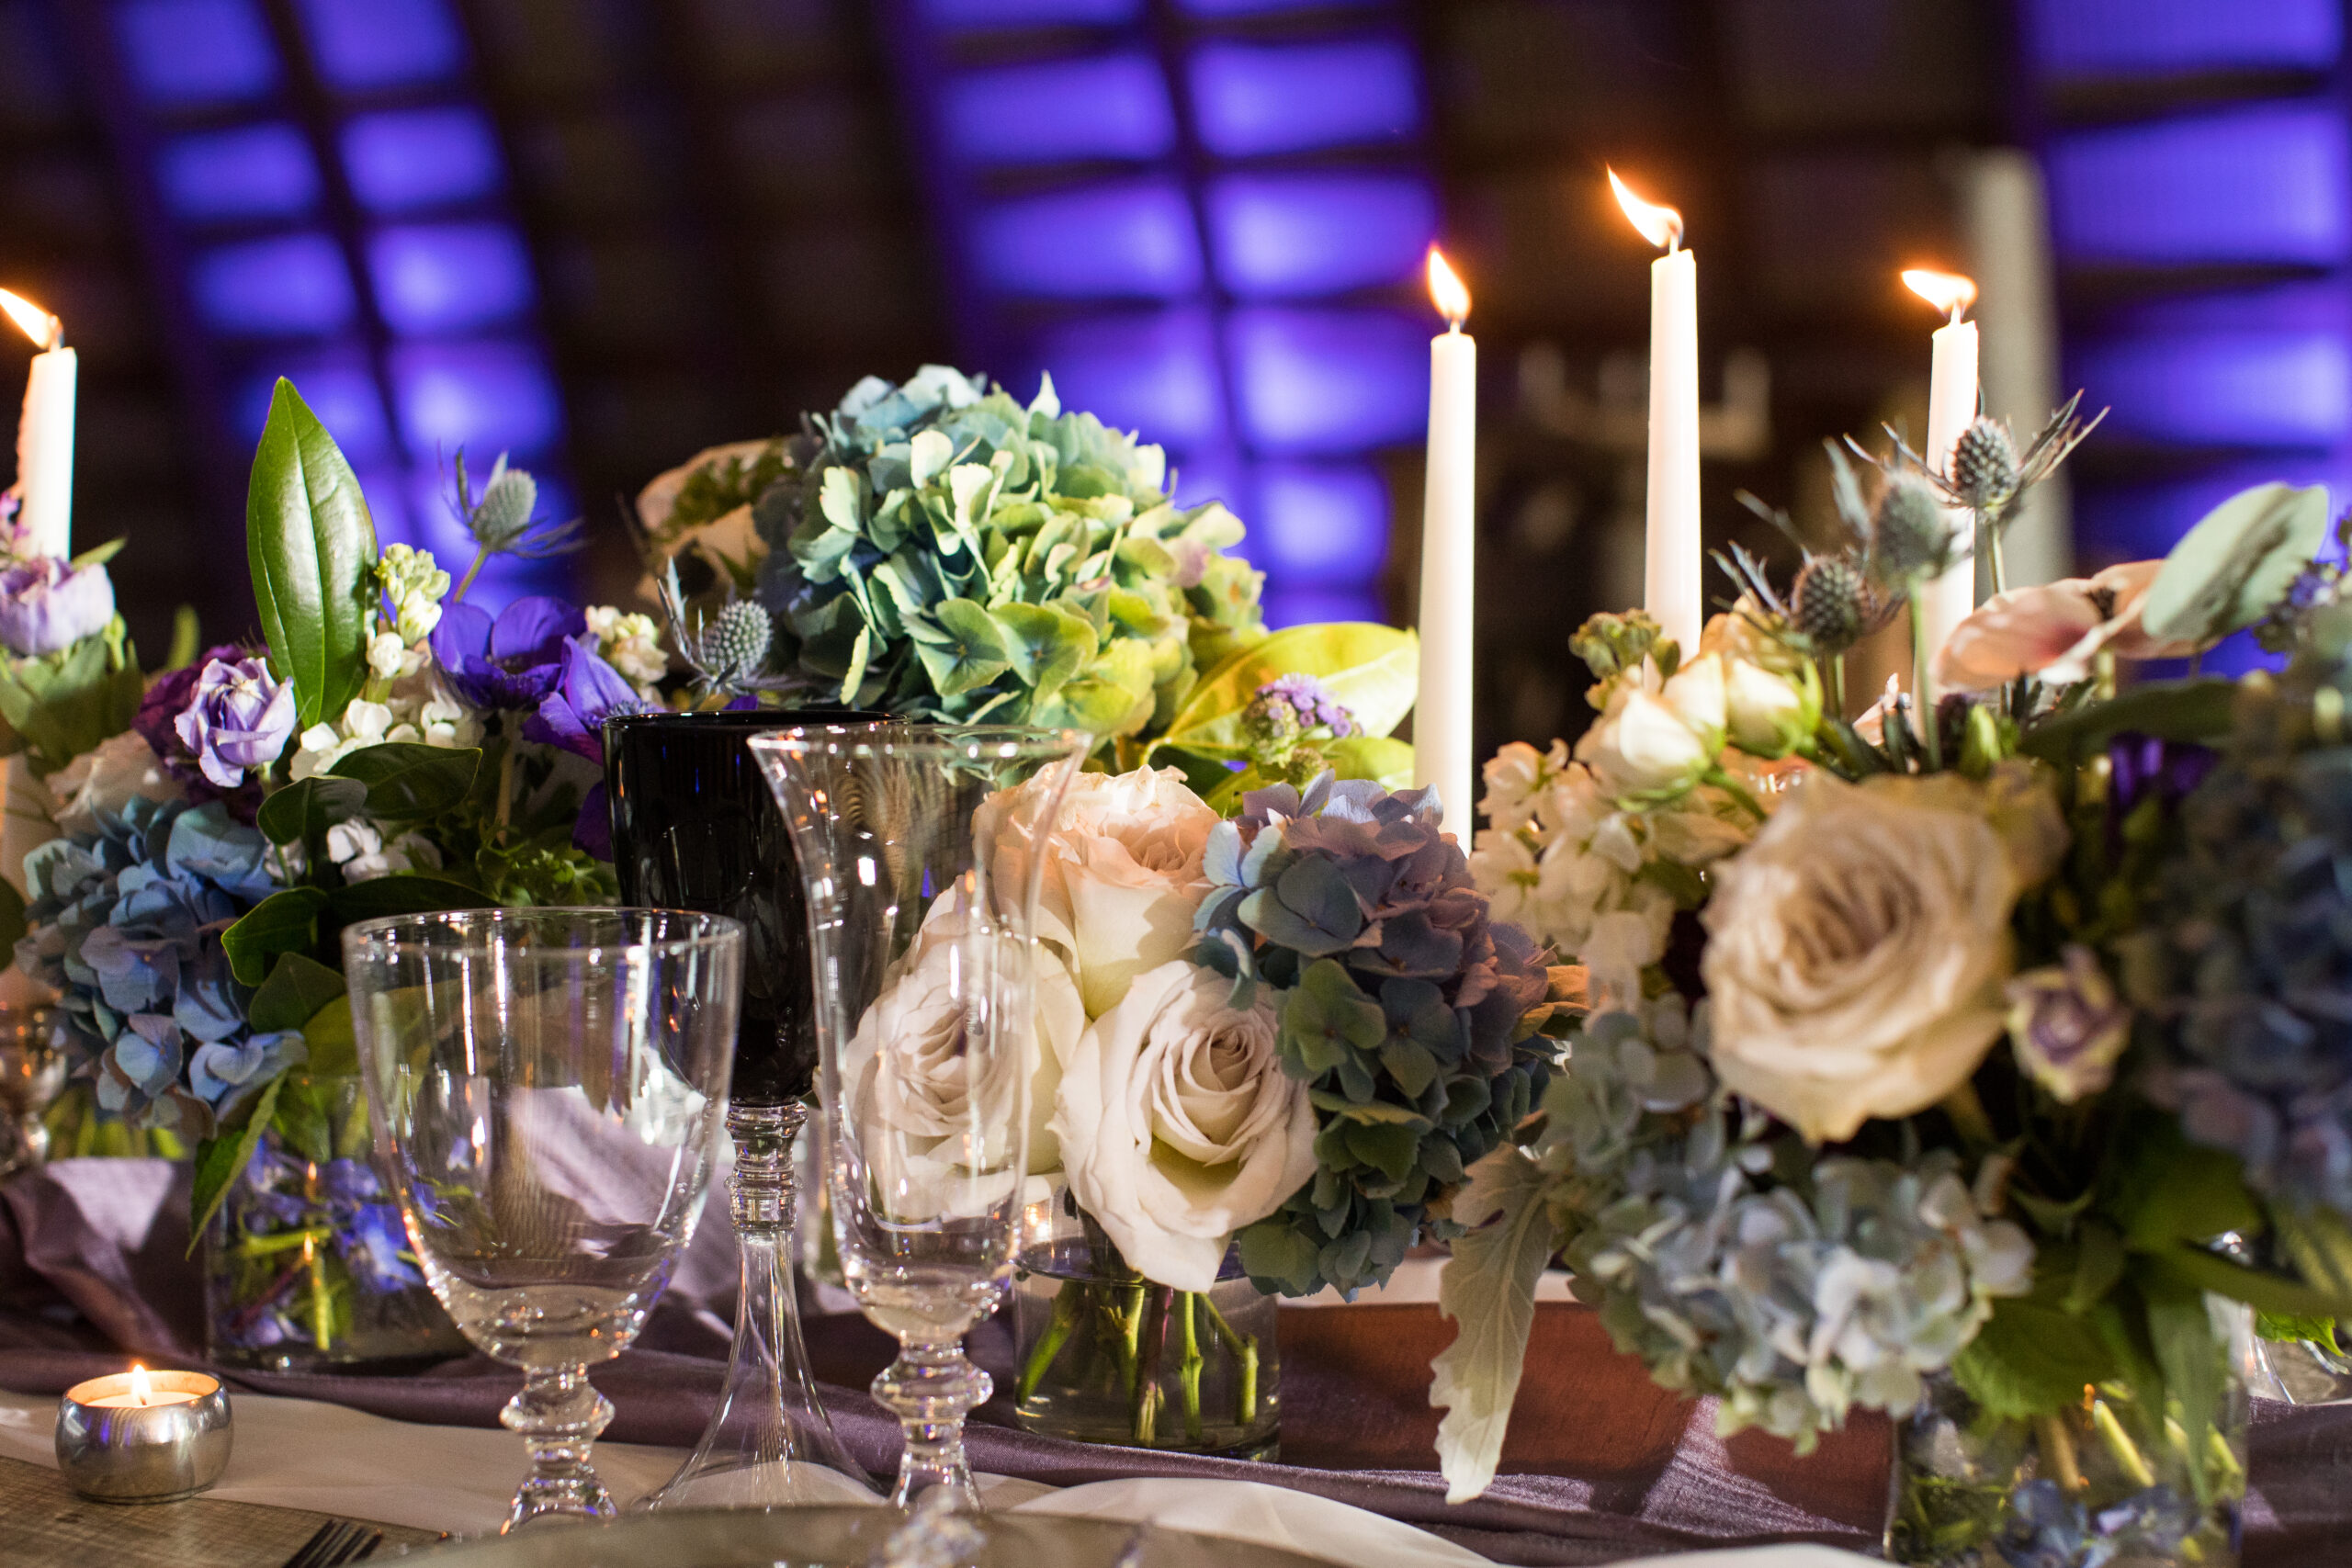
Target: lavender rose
[[237, 718], [48, 605]]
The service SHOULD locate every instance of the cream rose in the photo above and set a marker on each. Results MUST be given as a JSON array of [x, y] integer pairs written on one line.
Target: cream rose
[[1179, 1125], [1858, 950], [1651, 746], [1122, 872]]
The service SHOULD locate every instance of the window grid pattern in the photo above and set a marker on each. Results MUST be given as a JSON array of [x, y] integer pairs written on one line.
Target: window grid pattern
[[1206, 220], [338, 196]]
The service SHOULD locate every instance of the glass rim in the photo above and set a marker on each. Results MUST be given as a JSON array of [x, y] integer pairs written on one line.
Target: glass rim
[[748, 718], [973, 742], [436, 927]]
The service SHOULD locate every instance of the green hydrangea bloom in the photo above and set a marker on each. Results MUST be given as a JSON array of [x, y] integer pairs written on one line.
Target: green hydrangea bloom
[[948, 554]]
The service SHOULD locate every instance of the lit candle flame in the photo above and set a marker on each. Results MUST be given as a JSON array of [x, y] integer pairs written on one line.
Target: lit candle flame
[[1661, 226], [36, 323], [142, 1388], [1947, 291], [1451, 299]]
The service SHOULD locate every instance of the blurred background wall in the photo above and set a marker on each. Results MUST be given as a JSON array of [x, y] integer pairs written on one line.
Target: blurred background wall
[[600, 234]]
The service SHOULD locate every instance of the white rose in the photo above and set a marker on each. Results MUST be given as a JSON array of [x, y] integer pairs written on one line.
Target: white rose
[[1859, 948], [1122, 873], [108, 778], [1768, 714], [931, 1116], [1179, 1125], [1642, 748]]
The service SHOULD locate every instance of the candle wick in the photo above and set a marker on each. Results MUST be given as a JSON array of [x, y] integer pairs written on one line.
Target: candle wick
[[1453, 326], [56, 333], [1958, 312]]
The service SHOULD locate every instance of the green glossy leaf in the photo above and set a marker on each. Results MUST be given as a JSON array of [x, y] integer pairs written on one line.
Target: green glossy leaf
[[2259, 1289], [298, 987], [305, 1118], [2170, 710], [2238, 561], [1488, 1287], [2030, 1359], [312, 549], [403, 893], [2318, 1245], [1372, 668], [2182, 1191], [334, 1048], [220, 1157], [407, 781], [302, 813], [1383, 759], [285, 921]]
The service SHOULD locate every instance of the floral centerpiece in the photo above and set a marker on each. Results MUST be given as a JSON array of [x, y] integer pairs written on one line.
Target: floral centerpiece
[[388, 747], [941, 550], [1961, 1063]]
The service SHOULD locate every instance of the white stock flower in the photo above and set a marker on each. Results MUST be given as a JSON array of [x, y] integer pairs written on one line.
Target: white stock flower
[[1179, 1125], [390, 658], [1858, 949], [107, 778], [630, 643], [1122, 873], [1515, 779]]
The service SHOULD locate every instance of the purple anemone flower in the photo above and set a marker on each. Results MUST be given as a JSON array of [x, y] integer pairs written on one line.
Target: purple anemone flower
[[48, 605], [509, 662], [587, 691]]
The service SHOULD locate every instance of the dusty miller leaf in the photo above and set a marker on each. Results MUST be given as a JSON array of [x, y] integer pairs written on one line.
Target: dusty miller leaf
[[1488, 1287]]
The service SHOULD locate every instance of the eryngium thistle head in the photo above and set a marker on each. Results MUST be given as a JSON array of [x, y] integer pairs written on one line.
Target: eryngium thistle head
[[735, 643], [1910, 536], [1985, 465], [1832, 604]]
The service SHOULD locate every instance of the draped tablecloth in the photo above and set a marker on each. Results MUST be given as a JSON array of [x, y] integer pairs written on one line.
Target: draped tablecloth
[[1601, 1465]]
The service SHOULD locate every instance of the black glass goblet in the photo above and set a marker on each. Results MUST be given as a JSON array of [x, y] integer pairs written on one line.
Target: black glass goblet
[[695, 827]]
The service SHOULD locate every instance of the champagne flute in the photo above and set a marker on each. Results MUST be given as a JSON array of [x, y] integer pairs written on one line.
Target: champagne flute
[[544, 1086], [922, 901]]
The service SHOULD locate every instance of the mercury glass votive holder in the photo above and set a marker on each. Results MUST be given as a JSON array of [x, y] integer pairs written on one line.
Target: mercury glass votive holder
[[112, 1449]]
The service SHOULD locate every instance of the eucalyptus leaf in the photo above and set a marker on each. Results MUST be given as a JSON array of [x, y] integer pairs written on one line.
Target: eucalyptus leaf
[[312, 550], [403, 893], [2236, 563], [406, 782], [1373, 670]]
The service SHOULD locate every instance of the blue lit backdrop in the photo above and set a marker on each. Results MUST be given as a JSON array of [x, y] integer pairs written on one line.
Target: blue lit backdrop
[[339, 193], [1207, 219], [2223, 231]]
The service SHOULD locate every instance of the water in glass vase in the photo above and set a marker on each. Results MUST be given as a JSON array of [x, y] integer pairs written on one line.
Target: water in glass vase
[[1106, 1356]]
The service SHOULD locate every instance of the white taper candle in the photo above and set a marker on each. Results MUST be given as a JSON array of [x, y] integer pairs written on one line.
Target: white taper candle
[[1441, 730]]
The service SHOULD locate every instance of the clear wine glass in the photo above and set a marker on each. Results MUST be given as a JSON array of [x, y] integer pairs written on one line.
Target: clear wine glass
[[922, 902], [544, 1088]]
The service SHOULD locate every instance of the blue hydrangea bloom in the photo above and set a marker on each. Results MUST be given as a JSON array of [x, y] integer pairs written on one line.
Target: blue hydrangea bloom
[[127, 923]]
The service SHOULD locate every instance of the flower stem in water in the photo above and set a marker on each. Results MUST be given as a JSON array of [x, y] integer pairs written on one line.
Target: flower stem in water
[[1243, 1348], [1050, 1346], [1191, 1366]]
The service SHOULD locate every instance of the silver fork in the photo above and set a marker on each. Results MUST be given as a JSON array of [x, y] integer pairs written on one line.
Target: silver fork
[[335, 1542]]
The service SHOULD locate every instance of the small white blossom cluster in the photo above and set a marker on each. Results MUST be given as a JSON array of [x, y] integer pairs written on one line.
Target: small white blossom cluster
[[630, 643], [1594, 853], [418, 710], [414, 586], [357, 848]]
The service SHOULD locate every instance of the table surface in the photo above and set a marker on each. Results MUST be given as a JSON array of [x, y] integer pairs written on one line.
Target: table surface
[[46, 1525]]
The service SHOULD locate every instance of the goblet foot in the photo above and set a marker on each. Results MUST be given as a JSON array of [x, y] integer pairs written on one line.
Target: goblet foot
[[769, 1444], [558, 1416], [931, 1389]]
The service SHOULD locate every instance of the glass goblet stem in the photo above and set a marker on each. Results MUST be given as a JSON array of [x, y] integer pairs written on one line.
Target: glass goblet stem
[[557, 1415], [931, 1388], [769, 1425]]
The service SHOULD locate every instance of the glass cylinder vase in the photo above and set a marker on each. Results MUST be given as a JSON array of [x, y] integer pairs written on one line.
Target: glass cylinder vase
[[2113, 1480], [1103, 1355], [305, 1261]]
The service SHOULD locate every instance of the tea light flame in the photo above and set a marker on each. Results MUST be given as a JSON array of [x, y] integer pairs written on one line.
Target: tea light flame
[[142, 1387], [1661, 226]]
